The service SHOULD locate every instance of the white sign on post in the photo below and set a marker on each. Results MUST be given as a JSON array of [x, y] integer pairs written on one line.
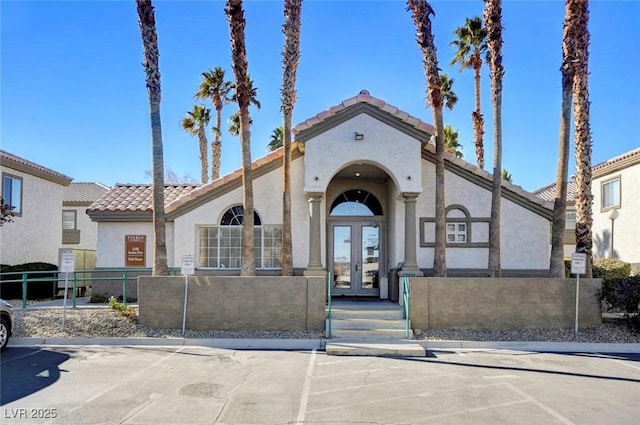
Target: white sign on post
[[578, 267], [578, 263], [68, 262], [188, 265]]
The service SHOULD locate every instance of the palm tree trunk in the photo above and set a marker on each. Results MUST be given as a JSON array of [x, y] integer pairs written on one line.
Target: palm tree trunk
[[556, 267], [584, 196], [421, 11], [493, 23], [204, 155], [287, 245], [290, 57], [235, 16], [146, 19], [476, 117], [216, 147]]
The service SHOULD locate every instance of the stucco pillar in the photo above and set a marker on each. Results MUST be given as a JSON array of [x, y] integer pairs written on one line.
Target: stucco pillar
[[315, 244], [410, 257]]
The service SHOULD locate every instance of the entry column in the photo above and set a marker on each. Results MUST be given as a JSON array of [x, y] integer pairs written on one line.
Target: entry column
[[315, 245], [410, 257]]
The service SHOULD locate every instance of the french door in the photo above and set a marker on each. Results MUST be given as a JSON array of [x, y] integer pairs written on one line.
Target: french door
[[355, 257]]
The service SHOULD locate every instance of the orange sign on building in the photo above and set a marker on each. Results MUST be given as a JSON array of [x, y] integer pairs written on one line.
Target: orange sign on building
[[134, 250]]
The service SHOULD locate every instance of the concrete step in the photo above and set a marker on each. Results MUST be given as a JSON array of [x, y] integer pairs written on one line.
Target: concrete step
[[366, 323], [381, 314], [370, 334], [381, 348]]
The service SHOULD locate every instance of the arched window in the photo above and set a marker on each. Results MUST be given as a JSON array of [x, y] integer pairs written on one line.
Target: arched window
[[235, 217], [458, 225], [220, 247], [355, 202]]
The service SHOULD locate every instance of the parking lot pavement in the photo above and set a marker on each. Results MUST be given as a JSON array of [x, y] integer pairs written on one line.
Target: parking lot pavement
[[200, 385]]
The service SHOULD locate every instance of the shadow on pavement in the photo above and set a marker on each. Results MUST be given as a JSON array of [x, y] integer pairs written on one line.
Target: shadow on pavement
[[28, 370]]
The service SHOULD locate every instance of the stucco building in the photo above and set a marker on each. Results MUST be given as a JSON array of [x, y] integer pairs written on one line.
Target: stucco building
[[616, 209], [363, 189], [35, 194]]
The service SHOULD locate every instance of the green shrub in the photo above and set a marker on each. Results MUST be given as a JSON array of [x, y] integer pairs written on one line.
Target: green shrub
[[123, 309], [99, 298], [624, 294], [609, 269], [35, 290]]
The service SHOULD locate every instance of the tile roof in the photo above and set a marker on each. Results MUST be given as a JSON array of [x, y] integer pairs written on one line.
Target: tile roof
[[364, 97], [83, 193], [548, 193], [136, 197], [20, 164], [609, 166]]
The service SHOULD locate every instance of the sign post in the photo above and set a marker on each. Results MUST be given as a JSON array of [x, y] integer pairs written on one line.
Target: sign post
[[67, 266], [187, 269], [578, 267]]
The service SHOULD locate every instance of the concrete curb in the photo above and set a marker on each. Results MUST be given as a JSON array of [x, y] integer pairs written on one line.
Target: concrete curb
[[535, 346], [226, 343], [320, 344]]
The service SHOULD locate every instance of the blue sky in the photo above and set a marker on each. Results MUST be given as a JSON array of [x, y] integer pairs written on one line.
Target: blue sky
[[73, 95]]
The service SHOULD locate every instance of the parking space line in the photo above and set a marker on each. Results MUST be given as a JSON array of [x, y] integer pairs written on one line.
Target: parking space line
[[541, 405], [122, 382], [304, 397]]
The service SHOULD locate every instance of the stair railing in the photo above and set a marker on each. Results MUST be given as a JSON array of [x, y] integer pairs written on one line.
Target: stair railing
[[329, 283], [406, 298]]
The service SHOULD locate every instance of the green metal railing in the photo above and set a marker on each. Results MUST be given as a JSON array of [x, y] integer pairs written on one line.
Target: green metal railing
[[329, 284], [406, 300], [125, 275]]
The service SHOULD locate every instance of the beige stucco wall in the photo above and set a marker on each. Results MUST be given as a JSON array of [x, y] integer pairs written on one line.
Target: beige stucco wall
[[233, 303], [88, 229], [267, 203], [111, 243], [36, 235], [524, 235], [627, 226], [390, 149], [438, 303]]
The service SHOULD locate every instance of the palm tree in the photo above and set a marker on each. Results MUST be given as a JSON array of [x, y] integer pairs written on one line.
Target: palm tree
[[421, 12], [582, 135], [215, 88], [451, 143], [253, 94], [234, 124], [290, 57], [276, 139], [556, 266], [493, 22], [506, 175], [471, 44], [449, 96], [147, 21], [235, 16], [195, 123]]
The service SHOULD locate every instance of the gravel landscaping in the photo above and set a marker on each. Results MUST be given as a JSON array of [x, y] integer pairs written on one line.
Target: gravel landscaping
[[103, 322]]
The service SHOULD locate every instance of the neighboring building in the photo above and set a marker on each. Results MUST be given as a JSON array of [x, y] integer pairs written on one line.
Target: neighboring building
[[616, 209], [35, 193], [363, 189], [78, 231]]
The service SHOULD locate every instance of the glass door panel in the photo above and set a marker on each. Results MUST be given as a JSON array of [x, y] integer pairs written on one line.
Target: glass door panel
[[369, 257], [342, 259]]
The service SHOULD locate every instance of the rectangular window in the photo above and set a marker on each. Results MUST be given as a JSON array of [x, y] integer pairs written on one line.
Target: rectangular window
[[69, 220], [611, 194], [570, 220], [457, 232], [221, 247], [12, 193]]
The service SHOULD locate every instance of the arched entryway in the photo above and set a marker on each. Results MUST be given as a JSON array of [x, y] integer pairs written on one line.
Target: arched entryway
[[356, 231]]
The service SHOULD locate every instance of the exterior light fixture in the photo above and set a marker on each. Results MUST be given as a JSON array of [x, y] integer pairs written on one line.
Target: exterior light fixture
[[612, 215], [359, 136]]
